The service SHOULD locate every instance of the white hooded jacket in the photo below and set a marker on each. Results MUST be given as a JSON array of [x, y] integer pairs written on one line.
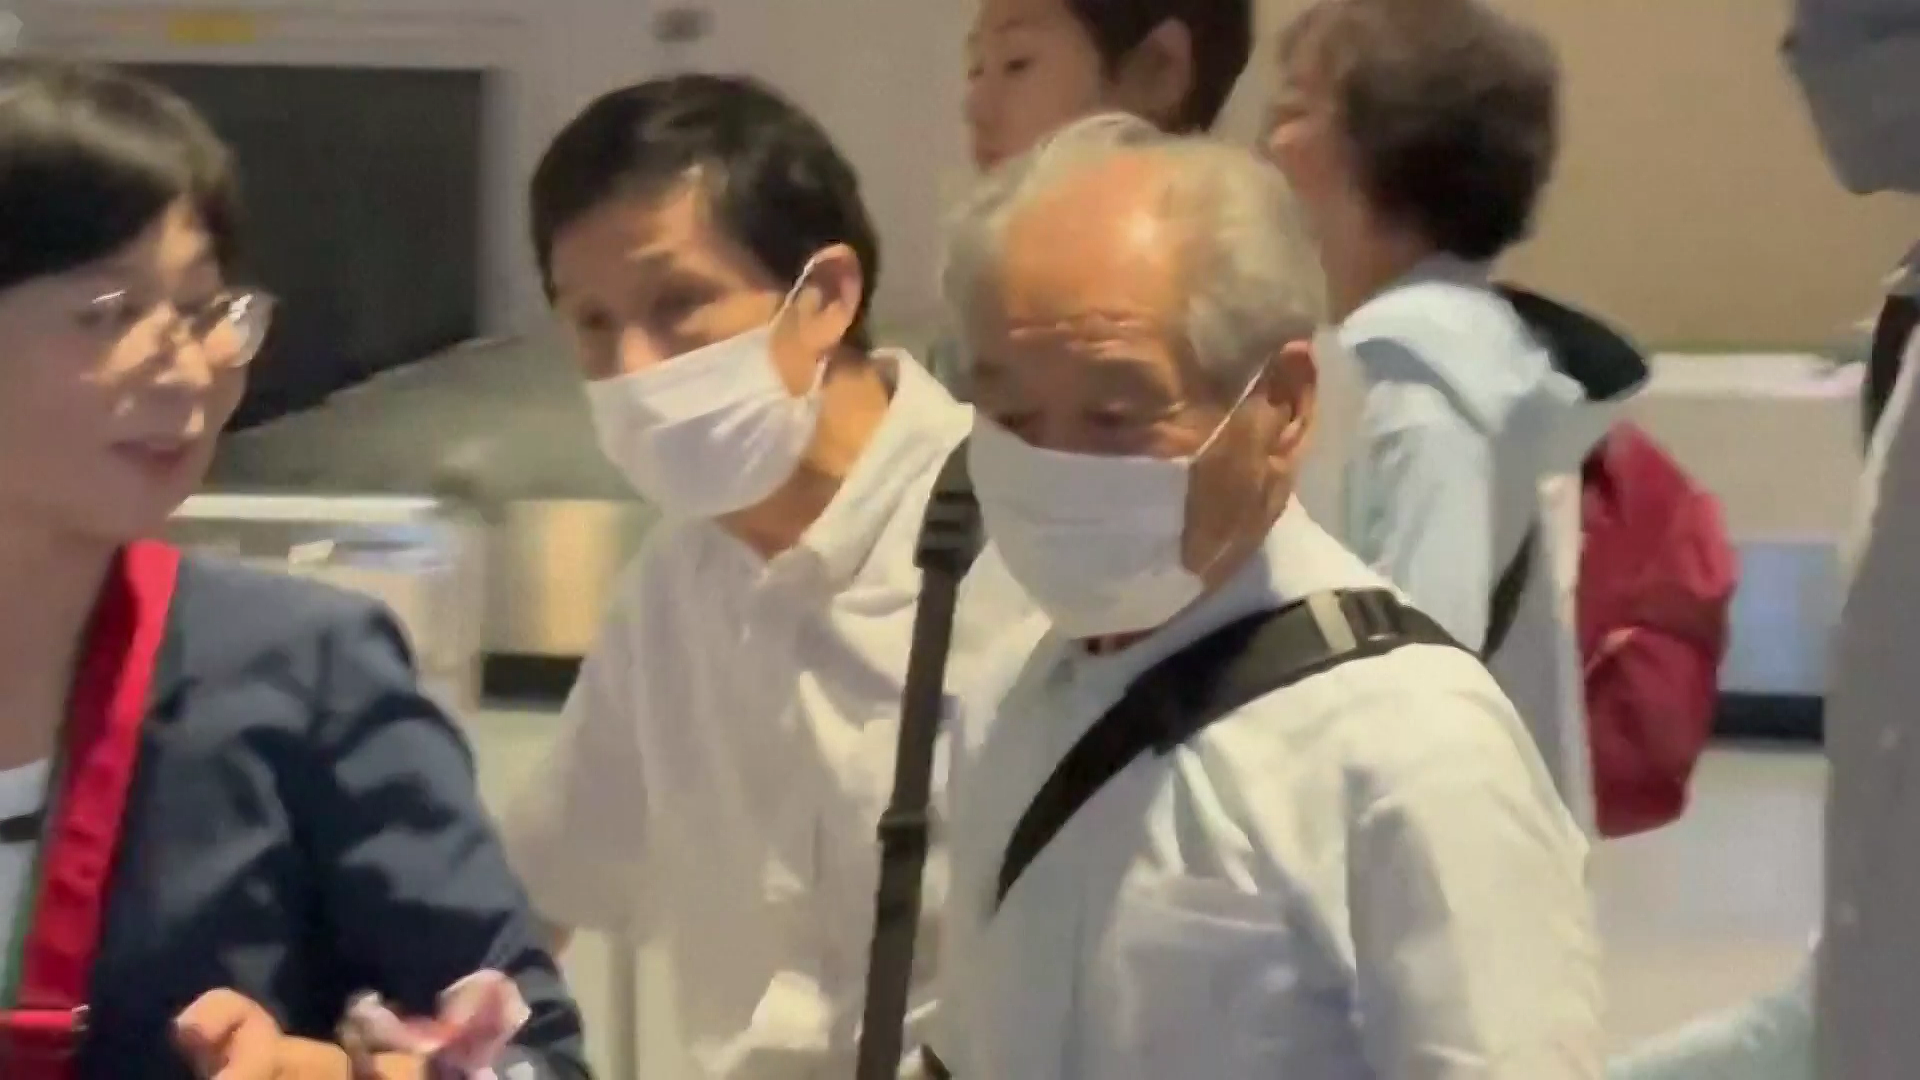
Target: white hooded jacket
[[1467, 430]]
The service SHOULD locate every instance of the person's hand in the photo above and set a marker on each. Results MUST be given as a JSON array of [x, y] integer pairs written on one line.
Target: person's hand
[[228, 1036]]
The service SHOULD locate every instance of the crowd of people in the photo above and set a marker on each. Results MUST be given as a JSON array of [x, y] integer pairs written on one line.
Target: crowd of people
[[1264, 749]]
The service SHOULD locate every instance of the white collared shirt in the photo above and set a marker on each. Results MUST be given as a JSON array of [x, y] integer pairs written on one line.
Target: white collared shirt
[[731, 747], [1364, 876]]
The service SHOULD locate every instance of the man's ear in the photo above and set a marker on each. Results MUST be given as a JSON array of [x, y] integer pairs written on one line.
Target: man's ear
[[1291, 387], [829, 298], [1156, 77]]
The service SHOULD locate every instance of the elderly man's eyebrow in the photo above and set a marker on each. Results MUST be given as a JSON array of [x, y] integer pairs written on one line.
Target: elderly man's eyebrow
[[1124, 371], [1079, 322]]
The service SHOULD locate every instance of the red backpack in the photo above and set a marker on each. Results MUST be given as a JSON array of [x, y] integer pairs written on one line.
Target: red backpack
[[1657, 574]]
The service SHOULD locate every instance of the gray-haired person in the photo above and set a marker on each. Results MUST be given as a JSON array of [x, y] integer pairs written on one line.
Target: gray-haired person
[[1360, 868]]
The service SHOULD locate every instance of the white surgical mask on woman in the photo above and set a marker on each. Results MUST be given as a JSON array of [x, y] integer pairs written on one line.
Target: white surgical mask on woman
[[710, 431], [1095, 540]]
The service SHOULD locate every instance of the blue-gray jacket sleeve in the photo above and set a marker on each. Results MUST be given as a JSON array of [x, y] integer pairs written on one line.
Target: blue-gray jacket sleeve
[[1420, 493], [1768, 1038], [416, 891]]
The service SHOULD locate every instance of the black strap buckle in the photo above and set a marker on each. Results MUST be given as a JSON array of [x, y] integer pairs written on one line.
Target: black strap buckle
[[1373, 615]]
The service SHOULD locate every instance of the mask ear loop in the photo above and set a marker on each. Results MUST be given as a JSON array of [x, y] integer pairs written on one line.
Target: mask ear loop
[[1245, 393], [793, 292], [1214, 436]]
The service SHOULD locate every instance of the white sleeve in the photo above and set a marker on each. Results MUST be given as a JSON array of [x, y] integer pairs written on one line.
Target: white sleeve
[[1473, 933], [1768, 1038], [577, 831]]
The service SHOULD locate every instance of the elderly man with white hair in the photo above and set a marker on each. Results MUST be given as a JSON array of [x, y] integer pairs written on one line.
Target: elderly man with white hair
[[1242, 813]]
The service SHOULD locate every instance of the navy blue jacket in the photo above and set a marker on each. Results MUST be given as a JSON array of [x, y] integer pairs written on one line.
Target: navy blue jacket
[[303, 826]]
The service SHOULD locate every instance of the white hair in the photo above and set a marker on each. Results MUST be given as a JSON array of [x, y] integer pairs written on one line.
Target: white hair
[[1256, 283]]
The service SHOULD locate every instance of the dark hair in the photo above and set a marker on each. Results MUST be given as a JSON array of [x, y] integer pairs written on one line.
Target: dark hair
[[1450, 107], [91, 157], [1222, 35], [772, 177]]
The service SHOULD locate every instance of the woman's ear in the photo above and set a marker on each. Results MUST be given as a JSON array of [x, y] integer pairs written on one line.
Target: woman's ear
[[830, 297], [1156, 77]]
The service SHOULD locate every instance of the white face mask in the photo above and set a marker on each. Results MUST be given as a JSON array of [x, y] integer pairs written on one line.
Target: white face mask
[[710, 431], [1095, 540]]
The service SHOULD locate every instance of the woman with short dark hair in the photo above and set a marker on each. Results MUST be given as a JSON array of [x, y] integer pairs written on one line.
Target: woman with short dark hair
[[227, 812]]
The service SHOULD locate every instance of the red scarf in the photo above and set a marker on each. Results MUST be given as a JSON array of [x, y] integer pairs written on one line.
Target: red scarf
[[87, 799]]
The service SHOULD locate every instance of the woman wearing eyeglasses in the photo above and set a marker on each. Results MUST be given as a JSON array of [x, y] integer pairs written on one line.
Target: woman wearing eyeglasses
[[227, 813]]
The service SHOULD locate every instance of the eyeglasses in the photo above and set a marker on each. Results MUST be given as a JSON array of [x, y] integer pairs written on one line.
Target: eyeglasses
[[230, 328]]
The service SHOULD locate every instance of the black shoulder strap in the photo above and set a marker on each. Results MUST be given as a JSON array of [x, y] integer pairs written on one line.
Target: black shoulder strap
[[949, 541], [1891, 332], [1503, 607], [1180, 696]]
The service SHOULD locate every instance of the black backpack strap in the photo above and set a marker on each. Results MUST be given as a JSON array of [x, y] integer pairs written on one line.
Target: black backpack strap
[[1891, 332], [1180, 696], [1503, 607], [950, 539]]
